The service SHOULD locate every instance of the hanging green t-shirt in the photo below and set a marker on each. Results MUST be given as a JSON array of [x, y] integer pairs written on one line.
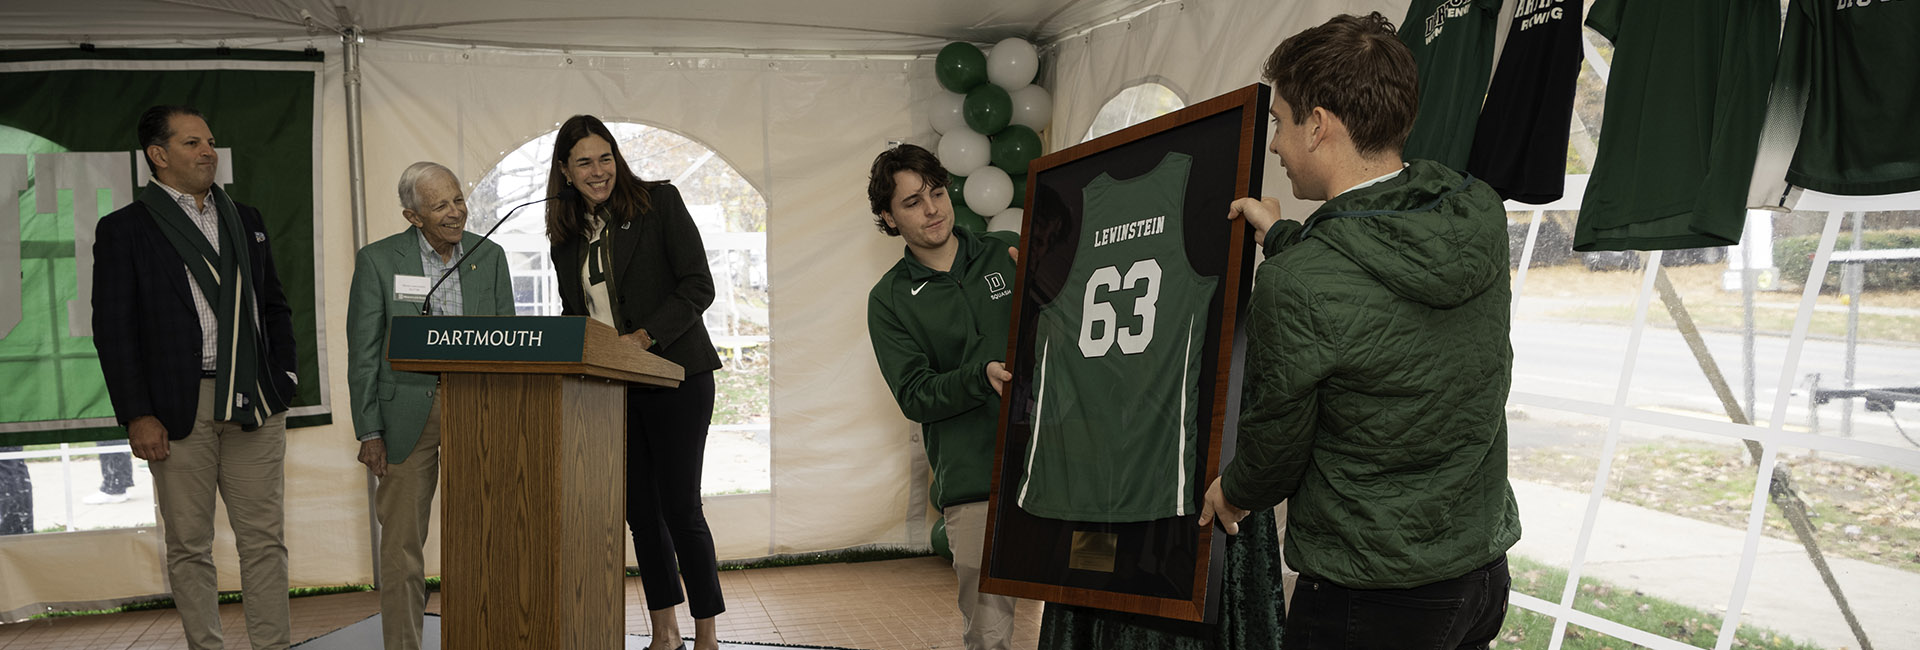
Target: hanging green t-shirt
[[1685, 101], [1452, 43], [1861, 59]]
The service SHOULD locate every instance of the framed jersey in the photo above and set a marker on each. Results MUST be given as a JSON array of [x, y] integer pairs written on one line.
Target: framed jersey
[[1125, 369]]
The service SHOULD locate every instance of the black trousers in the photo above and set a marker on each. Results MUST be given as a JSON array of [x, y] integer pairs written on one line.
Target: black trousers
[[666, 445], [116, 469], [16, 496], [1463, 612]]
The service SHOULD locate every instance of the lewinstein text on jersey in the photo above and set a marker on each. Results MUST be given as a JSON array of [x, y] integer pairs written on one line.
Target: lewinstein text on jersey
[[1126, 231]]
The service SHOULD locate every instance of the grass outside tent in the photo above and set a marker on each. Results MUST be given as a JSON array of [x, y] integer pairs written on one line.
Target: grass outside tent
[[1529, 630]]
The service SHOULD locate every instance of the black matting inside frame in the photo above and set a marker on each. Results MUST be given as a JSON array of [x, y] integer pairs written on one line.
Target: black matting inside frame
[[1160, 560]]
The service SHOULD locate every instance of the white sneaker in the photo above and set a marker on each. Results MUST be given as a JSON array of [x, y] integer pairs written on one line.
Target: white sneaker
[[100, 498]]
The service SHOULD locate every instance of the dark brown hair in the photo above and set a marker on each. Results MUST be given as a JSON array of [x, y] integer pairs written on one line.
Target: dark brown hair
[[1357, 69], [156, 127], [566, 216], [901, 158]]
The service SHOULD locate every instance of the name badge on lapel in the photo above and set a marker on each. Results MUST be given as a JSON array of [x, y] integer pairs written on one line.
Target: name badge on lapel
[[411, 288]]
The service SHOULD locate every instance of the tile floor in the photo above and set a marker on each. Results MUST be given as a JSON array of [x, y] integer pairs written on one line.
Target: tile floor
[[892, 605]]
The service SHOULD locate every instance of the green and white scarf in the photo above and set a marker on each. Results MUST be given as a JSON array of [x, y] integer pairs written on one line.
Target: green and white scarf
[[242, 391]]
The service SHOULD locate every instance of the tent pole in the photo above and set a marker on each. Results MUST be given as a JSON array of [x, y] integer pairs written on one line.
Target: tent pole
[[357, 180], [357, 184]]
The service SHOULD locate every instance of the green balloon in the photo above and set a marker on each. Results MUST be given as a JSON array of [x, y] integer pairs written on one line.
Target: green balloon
[[956, 188], [988, 109], [1013, 148], [960, 67], [965, 217], [940, 545], [1020, 190]]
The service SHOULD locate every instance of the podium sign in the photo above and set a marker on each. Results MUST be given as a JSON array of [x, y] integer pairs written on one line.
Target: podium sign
[[524, 345], [533, 414], [487, 338]]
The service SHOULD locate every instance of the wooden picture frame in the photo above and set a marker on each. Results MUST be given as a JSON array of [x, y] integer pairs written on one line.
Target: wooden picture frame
[[1109, 547]]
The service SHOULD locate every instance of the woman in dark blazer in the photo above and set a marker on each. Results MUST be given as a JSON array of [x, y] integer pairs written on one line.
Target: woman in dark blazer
[[628, 254]]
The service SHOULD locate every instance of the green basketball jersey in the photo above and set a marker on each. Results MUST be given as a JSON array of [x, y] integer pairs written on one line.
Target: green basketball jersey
[[1117, 378]]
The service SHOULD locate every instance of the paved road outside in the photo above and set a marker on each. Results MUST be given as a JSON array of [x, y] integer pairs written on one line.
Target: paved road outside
[[1695, 563]]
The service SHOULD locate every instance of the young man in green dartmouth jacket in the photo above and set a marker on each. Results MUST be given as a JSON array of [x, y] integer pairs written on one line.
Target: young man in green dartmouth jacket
[[938, 320]]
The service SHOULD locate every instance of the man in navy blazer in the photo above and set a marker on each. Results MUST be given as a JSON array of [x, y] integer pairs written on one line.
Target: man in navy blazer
[[199, 361]]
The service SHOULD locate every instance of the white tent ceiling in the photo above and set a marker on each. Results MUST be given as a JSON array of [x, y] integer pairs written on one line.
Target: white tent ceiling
[[775, 26]]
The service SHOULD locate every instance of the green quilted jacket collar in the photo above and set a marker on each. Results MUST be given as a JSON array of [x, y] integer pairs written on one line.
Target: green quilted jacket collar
[[1437, 252]]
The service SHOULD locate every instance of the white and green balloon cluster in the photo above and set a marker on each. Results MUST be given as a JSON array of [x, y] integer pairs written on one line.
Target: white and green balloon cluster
[[989, 123]]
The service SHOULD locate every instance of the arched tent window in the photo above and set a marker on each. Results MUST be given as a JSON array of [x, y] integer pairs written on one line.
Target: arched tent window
[[1134, 105], [732, 217]]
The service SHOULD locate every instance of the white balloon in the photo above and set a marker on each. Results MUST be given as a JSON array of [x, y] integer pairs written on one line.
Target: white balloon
[[989, 190], [964, 151], [1032, 107], [1012, 63], [946, 113], [1009, 220]]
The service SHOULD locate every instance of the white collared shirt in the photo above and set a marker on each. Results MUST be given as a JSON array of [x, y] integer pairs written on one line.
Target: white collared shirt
[[599, 302], [207, 219], [448, 299], [1377, 179]]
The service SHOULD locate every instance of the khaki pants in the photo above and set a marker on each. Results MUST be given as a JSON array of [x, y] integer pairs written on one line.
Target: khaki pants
[[404, 504], [988, 618], [246, 468]]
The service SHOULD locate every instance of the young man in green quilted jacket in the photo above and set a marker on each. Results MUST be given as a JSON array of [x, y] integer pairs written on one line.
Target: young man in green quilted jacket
[[1378, 362]]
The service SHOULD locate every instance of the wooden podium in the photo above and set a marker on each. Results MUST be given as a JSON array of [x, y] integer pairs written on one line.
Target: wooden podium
[[533, 535]]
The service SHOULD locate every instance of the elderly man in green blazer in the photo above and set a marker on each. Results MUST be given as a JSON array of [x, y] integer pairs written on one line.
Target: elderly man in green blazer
[[396, 415]]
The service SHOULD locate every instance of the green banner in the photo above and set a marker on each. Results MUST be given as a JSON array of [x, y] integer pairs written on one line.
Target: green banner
[[69, 155]]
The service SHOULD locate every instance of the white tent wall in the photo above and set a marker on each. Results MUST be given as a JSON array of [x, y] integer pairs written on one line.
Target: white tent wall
[[803, 132], [841, 449], [84, 570], [328, 521], [468, 107]]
